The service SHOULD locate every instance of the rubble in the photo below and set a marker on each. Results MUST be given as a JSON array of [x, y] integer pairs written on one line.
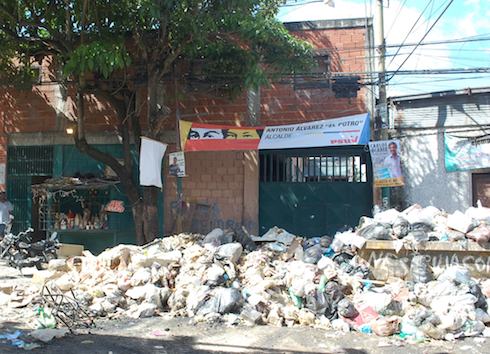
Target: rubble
[[287, 280]]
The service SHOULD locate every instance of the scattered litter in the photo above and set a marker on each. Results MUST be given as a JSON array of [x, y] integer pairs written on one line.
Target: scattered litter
[[48, 334]]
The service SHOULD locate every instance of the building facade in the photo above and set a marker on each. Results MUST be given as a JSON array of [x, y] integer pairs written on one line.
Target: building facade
[[221, 188], [424, 123]]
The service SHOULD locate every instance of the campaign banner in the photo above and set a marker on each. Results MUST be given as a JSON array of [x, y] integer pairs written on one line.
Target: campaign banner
[[350, 130], [462, 154], [176, 164], [212, 137], [385, 157]]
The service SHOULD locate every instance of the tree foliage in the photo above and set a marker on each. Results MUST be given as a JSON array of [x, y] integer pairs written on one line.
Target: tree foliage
[[112, 48]]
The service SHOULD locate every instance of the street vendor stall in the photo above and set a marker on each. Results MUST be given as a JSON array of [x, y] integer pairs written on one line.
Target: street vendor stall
[[81, 211]]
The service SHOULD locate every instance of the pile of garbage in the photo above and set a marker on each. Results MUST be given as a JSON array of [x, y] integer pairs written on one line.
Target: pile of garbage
[[417, 224], [280, 279]]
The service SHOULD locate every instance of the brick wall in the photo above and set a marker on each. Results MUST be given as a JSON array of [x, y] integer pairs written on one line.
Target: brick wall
[[216, 180], [225, 181]]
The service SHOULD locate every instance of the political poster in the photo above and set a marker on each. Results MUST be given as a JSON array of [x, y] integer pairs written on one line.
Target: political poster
[[350, 130], [211, 137], [385, 157], [176, 164], [463, 154]]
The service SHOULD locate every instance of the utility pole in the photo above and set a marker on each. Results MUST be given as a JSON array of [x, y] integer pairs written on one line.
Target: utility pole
[[379, 38], [381, 195]]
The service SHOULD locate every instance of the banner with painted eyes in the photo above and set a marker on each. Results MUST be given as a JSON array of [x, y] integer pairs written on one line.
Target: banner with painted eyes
[[211, 137]]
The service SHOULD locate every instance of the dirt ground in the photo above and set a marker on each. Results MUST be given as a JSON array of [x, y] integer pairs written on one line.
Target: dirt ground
[[165, 335], [174, 336]]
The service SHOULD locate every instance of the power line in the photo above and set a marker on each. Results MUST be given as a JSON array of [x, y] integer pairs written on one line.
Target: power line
[[446, 41], [436, 80], [410, 31], [300, 3], [423, 37], [400, 9]]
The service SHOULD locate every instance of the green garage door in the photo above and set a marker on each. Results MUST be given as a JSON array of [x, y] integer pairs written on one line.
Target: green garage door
[[314, 192]]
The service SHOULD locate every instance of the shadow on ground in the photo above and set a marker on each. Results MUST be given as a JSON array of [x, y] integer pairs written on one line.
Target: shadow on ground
[[112, 344]]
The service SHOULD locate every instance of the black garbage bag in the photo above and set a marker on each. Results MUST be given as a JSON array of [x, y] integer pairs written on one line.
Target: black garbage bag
[[401, 227], [475, 290], [334, 294], [222, 300], [313, 254], [418, 235], [346, 309], [421, 226], [420, 270], [376, 231], [317, 302], [342, 258], [326, 241]]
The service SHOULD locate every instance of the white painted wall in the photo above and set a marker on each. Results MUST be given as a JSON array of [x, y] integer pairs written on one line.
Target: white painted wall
[[427, 182]]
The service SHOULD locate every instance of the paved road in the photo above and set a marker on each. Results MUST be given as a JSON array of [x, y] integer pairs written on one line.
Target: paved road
[[175, 336]]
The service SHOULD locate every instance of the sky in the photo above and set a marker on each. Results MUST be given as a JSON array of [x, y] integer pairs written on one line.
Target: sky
[[463, 19]]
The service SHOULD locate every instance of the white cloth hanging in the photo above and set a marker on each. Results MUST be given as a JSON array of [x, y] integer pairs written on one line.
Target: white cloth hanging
[[151, 155]]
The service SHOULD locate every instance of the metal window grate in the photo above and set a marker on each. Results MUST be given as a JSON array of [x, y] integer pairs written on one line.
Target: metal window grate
[[24, 162], [312, 166]]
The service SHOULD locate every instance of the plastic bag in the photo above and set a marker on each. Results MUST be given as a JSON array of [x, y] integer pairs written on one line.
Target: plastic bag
[[418, 236], [460, 222], [456, 274], [313, 254], [376, 231], [222, 300], [334, 294], [476, 291], [401, 227], [317, 302], [218, 237], [387, 217], [388, 267], [346, 309], [420, 270], [386, 326], [45, 318], [480, 234]]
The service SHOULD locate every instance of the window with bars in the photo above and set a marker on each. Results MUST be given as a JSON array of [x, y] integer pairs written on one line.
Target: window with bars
[[277, 167]]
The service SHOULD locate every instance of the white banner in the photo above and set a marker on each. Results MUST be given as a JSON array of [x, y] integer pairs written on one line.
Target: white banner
[[151, 155], [385, 157], [351, 130]]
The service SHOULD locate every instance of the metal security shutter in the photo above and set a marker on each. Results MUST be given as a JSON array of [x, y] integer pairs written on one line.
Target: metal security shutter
[[314, 192]]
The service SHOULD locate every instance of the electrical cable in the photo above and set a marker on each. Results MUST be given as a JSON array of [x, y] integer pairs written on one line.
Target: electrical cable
[[410, 31], [421, 40], [402, 5]]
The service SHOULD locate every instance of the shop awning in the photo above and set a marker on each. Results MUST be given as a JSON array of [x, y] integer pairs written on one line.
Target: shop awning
[[70, 183]]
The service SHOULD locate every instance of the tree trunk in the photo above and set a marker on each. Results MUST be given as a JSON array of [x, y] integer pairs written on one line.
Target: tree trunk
[[138, 223], [150, 213]]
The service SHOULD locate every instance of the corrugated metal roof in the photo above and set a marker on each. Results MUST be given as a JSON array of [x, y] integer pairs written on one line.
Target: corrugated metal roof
[[447, 93], [442, 111]]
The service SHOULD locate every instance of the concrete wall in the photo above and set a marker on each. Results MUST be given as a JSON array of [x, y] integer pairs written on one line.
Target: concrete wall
[[427, 182], [420, 122]]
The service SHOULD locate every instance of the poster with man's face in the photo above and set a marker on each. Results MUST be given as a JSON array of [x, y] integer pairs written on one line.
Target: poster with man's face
[[176, 164], [385, 157]]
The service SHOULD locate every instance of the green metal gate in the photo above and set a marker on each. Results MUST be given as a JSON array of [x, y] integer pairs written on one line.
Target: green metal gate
[[314, 192], [24, 163]]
